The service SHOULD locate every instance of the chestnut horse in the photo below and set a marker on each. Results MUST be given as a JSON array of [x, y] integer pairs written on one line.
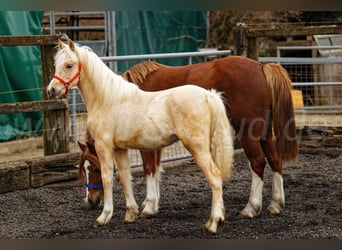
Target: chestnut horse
[[259, 107], [122, 116]]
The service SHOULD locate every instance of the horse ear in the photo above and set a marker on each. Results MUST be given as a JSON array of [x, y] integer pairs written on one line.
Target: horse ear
[[71, 45], [82, 146], [91, 147], [61, 45], [80, 168]]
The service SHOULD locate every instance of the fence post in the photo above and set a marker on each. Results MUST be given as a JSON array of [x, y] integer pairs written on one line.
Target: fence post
[[239, 35], [253, 48], [56, 123]]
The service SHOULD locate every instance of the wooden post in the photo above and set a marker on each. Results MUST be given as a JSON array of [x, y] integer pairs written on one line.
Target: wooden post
[[253, 48], [239, 35], [56, 122]]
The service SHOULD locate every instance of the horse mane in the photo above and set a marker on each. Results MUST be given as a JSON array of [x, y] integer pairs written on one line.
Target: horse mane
[[108, 84], [138, 73]]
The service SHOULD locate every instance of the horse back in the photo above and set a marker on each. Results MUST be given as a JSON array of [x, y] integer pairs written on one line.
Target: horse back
[[240, 79]]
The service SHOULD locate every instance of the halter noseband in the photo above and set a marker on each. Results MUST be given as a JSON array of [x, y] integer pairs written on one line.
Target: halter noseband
[[93, 186], [67, 83]]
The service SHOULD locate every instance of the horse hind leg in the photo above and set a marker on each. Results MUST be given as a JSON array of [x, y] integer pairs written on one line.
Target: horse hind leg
[[278, 198], [150, 206], [257, 161], [152, 169], [217, 215]]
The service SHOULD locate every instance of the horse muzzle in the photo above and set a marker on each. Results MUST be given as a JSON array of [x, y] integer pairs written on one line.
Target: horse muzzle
[[94, 201], [56, 90]]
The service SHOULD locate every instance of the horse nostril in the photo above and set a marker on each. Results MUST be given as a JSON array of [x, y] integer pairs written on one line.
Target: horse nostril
[[94, 203], [51, 92]]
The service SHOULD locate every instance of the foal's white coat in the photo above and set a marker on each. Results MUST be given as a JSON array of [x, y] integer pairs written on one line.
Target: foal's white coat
[[121, 116]]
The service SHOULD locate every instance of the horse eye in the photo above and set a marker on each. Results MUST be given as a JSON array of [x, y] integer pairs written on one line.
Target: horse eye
[[97, 171], [69, 66]]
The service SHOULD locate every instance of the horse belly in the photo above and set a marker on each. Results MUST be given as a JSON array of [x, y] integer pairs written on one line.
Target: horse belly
[[147, 137]]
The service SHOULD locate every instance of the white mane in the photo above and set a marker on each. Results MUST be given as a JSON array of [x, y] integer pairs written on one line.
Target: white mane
[[109, 87]]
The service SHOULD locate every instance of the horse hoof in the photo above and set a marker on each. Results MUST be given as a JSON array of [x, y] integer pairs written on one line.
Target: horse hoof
[[250, 211], [131, 215], [244, 215], [97, 224], [148, 212], [274, 209], [145, 214], [212, 225]]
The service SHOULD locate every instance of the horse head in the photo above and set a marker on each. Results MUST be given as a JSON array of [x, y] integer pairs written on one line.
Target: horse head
[[68, 70], [89, 168]]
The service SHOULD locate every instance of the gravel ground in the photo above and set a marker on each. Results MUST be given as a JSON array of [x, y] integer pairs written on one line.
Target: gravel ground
[[313, 207]]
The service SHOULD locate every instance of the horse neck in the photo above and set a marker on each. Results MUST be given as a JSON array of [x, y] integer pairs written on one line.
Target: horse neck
[[98, 83]]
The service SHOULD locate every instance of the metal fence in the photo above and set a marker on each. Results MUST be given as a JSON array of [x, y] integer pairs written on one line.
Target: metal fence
[[319, 80]]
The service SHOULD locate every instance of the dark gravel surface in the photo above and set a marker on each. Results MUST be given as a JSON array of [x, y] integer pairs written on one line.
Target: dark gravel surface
[[313, 207]]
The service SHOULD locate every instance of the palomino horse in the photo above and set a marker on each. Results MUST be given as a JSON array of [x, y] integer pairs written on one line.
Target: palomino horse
[[122, 116], [260, 109]]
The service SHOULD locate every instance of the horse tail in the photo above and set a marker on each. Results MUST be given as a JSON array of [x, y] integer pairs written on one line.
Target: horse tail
[[284, 126], [221, 136]]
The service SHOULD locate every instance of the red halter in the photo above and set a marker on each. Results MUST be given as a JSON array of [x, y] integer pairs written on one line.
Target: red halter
[[67, 83]]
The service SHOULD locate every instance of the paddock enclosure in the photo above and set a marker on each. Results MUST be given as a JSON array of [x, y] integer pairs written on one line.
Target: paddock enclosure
[[41, 198]]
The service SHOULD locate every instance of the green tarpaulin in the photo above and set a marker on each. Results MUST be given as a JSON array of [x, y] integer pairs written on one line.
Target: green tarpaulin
[[147, 32], [20, 73], [137, 32]]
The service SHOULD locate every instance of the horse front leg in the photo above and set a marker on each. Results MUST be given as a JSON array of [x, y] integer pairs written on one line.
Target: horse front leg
[[152, 169], [105, 156], [125, 177]]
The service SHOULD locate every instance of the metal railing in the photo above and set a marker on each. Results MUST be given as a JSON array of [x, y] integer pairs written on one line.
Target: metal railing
[[149, 57], [321, 48], [108, 43], [53, 27]]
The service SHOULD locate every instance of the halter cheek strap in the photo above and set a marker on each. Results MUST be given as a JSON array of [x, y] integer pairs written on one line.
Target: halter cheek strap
[[67, 83]]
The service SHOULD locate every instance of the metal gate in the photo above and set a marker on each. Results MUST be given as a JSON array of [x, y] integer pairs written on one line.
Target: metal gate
[[319, 82]]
